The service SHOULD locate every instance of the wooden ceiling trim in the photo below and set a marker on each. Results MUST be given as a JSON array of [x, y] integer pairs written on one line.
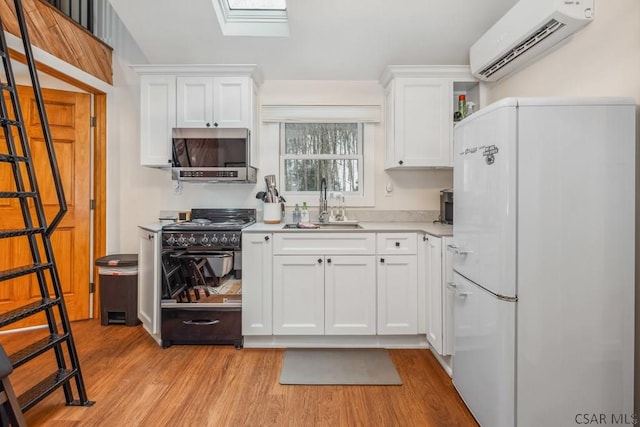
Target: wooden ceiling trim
[[60, 36]]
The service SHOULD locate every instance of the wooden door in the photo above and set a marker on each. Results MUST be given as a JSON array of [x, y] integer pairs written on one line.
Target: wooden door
[[69, 121]]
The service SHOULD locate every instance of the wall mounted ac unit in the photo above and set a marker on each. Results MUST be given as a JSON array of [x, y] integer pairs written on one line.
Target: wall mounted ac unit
[[526, 31]]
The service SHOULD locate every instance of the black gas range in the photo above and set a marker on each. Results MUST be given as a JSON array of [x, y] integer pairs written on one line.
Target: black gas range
[[202, 272], [209, 229]]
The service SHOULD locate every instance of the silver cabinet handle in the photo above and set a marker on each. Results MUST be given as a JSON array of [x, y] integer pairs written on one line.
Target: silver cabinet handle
[[463, 294], [456, 250], [201, 322], [452, 285]]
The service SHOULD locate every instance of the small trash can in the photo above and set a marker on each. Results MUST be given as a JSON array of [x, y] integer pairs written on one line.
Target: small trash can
[[118, 275]]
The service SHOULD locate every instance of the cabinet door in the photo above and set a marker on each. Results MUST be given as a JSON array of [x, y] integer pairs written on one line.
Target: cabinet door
[[232, 102], [157, 119], [397, 295], [257, 270], [449, 295], [434, 292], [350, 295], [195, 101], [149, 280], [298, 295], [422, 134]]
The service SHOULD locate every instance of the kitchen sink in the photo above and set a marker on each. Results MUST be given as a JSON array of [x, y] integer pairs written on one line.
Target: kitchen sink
[[332, 226]]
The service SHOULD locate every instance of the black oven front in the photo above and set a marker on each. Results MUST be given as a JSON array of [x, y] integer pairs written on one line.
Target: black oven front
[[202, 283]]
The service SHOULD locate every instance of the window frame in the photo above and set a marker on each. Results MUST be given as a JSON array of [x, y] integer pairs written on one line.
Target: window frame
[[365, 194]]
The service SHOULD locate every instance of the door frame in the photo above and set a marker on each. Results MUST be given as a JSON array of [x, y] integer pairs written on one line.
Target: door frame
[[99, 160]]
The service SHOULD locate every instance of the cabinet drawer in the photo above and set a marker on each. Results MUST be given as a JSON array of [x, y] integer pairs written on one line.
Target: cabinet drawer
[[202, 326], [397, 244], [324, 243]]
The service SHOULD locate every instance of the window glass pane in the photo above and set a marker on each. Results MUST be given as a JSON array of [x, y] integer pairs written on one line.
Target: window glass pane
[[257, 4], [305, 175], [321, 138]]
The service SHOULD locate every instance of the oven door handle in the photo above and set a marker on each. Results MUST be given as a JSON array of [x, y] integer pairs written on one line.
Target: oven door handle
[[200, 322]]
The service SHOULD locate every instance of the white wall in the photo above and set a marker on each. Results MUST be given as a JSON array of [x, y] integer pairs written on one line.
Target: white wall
[[601, 60]]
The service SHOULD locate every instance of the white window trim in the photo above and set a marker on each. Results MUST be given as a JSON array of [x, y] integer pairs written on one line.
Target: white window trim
[[364, 198], [233, 22]]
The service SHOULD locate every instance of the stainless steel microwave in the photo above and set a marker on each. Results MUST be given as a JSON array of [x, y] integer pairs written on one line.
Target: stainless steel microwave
[[212, 155]]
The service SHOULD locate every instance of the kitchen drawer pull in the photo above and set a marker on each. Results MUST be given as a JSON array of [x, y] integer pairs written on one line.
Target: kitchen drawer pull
[[266, 238], [319, 260], [397, 244], [456, 250], [200, 322], [382, 260], [328, 260]]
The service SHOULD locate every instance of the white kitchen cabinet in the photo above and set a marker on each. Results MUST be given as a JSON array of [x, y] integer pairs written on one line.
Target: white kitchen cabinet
[[324, 295], [350, 295], [298, 295], [397, 271], [419, 113], [324, 284], [204, 101], [257, 279], [439, 294], [157, 119], [149, 280], [193, 96]]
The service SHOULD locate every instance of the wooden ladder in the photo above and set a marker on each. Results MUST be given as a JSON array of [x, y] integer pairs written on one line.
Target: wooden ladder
[[38, 233]]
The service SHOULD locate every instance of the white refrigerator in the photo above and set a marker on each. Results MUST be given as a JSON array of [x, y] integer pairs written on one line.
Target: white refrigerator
[[544, 237]]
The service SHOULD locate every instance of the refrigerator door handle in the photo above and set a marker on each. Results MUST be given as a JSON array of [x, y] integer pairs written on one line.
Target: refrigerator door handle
[[456, 250]]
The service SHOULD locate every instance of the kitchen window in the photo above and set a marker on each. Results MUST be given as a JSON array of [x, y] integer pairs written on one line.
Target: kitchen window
[[335, 151]]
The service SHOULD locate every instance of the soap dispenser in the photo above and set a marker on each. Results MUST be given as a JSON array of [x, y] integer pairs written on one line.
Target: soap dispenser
[[297, 215], [304, 215]]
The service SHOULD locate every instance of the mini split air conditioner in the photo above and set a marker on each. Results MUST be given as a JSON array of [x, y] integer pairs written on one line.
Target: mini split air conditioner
[[527, 30]]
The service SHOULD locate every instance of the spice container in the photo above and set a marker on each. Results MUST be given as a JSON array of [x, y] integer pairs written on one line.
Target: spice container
[[462, 106]]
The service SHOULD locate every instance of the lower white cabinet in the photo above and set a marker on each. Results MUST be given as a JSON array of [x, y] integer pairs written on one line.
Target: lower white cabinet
[[439, 294], [149, 280], [257, 276], [397, 295], [324, 295]]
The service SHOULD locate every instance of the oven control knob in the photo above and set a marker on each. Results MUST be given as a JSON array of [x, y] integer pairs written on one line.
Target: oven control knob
[[234, 239], [171, 240], [204, 240], [224, 239], [214, 240], [192, 240], [182, 240]]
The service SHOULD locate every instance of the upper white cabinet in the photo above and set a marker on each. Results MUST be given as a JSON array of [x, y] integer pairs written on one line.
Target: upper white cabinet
[[157, 118], [214, 102], [419, 112], [193, 96]]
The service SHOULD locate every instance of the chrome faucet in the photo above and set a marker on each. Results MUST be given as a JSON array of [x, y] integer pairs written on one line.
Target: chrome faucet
[[323, 213]]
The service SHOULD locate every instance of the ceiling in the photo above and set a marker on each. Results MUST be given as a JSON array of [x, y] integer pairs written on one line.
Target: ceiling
[[329, 39]]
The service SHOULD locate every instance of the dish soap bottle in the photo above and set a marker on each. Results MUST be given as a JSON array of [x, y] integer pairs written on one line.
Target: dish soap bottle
[[304, 215], [296, 214]]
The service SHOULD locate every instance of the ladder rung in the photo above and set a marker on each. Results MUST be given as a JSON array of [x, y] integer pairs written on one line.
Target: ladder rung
[[37, 348], [20, 313], [6, 121], [16, 194], [23, 271], [12, 159], [8, 88], [44, 388], [21, 232]]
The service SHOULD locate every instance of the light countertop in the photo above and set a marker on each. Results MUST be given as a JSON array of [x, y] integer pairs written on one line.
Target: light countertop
[[438, 230]]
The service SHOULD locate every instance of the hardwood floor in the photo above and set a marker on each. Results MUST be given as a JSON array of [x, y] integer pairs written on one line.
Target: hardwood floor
[[134, 382]]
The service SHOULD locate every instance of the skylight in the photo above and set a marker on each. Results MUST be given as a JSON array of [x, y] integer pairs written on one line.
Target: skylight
[[252, 17], [257, 4]]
